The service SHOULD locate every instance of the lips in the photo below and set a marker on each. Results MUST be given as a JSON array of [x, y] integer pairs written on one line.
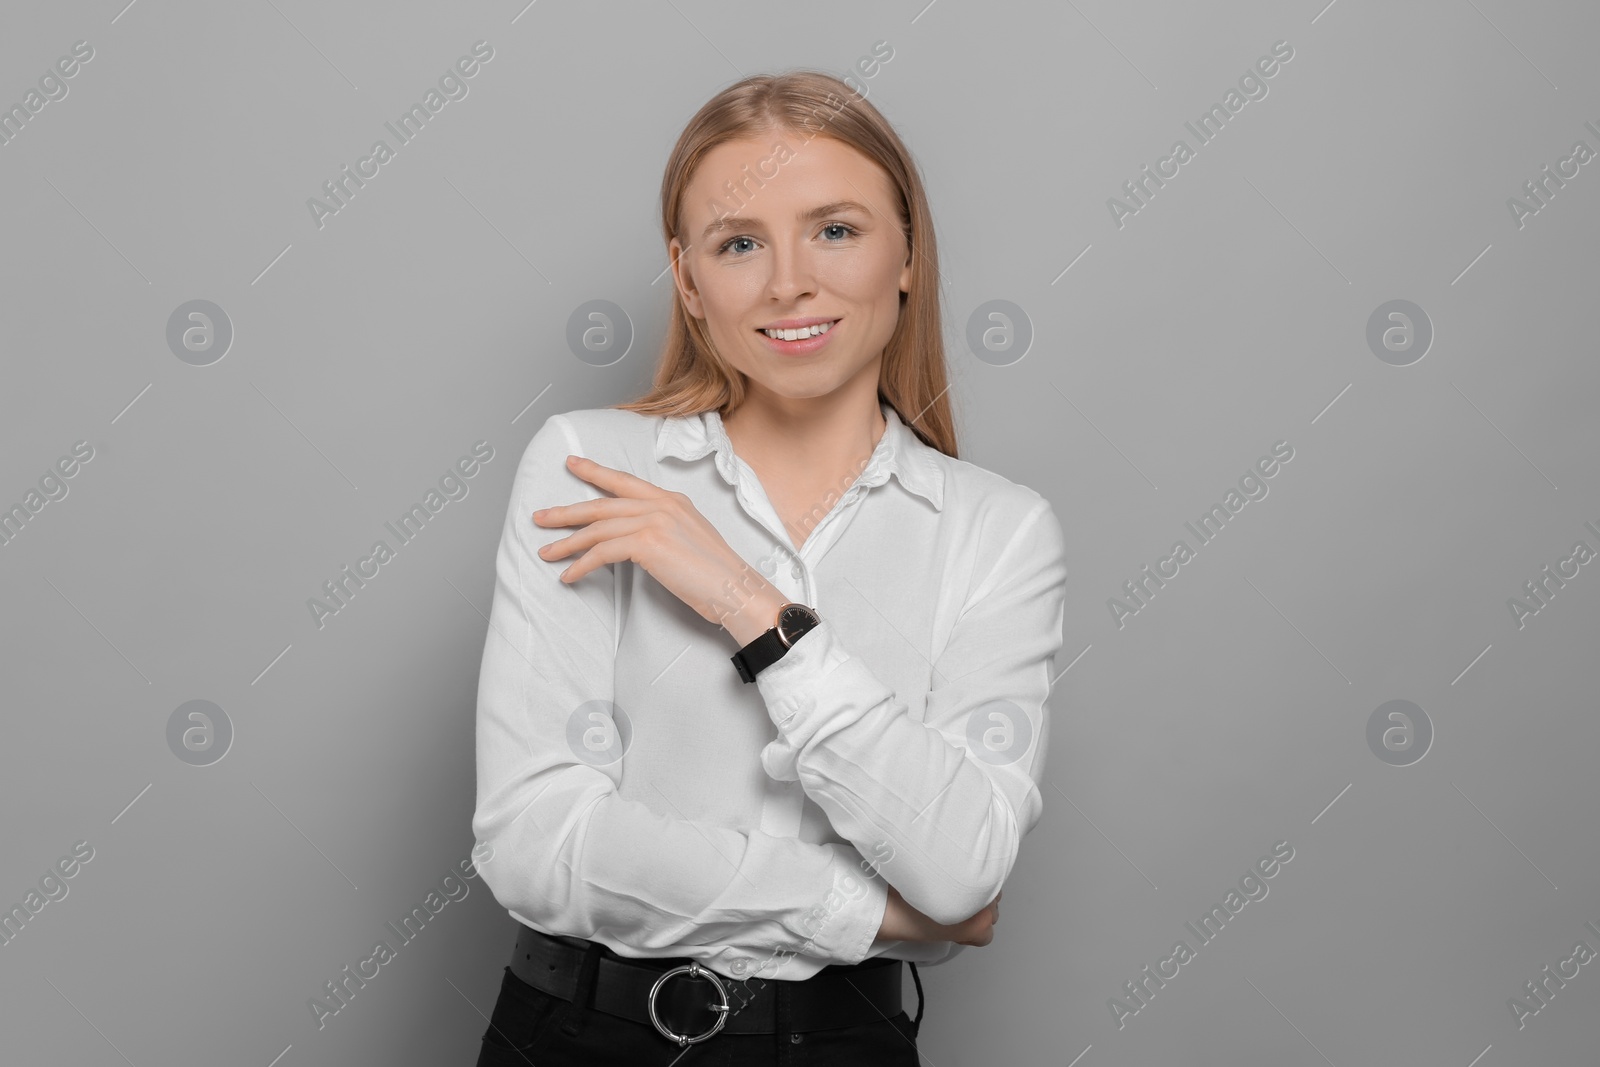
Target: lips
[[806, 329], [797, 324], [806, 343]]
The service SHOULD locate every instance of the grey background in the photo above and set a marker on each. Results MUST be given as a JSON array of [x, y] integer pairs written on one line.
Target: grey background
[[1228, 314]]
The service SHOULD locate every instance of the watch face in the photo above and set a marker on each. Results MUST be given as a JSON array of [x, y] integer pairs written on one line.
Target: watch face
[[795, 620]]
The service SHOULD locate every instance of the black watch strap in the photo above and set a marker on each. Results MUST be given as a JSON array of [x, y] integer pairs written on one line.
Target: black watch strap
[[794, 622]]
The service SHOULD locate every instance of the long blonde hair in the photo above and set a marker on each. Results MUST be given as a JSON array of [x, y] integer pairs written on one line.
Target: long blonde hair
[[690, 376]]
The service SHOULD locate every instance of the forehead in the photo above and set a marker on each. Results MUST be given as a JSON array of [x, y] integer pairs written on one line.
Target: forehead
[[771, 174]]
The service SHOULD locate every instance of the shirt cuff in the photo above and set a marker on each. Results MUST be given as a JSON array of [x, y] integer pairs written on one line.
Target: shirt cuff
[[854, 913], [796, 689]]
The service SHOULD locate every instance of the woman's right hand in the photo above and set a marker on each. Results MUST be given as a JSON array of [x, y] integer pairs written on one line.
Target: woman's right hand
[[902, 922]]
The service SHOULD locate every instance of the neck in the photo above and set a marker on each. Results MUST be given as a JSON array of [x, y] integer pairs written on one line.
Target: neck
[[815, 435]]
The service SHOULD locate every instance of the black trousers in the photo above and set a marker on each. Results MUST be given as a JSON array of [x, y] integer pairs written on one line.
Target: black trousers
[[532, 1028]]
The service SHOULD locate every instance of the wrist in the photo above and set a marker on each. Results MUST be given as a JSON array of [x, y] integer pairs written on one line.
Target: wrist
[[755, 616], [889, 926]]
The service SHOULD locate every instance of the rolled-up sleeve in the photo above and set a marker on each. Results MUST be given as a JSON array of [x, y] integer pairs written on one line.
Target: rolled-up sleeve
[[956, 792], [569, 854]]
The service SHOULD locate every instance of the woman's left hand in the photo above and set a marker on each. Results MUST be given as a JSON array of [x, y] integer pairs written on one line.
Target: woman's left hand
[[660, 530]]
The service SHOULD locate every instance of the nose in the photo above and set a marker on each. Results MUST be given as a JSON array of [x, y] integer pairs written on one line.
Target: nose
[[792, 274]]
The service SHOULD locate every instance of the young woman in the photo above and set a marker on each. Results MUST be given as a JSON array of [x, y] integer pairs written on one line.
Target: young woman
[[762, 711]]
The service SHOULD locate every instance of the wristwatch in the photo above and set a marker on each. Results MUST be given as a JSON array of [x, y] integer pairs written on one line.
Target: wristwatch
[[794, 622]]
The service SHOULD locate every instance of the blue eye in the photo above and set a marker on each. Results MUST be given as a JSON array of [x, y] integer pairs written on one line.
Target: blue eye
[[849, 231]]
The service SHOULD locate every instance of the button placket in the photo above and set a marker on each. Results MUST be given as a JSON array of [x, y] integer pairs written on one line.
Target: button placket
[[832, 526], [747, 487], [760, 510]]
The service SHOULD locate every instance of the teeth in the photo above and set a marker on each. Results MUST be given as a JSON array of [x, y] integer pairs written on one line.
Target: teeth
[[795, 335]]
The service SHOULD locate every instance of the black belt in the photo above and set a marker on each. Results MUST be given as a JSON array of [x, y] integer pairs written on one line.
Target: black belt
[[688, 1003]]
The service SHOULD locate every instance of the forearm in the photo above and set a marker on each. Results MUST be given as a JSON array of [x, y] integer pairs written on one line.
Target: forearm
[[955, 788], [879, 774], [573, 856]]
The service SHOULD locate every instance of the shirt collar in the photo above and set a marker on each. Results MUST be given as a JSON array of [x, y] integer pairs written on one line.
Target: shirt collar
[[900, 452]]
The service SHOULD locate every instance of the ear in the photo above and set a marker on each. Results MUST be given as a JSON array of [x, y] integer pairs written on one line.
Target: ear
[[905, 273], [684, 280]]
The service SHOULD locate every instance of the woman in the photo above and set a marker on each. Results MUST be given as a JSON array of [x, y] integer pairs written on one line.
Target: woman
[[762, 715]]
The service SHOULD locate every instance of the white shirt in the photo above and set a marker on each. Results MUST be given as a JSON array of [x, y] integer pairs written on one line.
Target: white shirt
[[740, 824]]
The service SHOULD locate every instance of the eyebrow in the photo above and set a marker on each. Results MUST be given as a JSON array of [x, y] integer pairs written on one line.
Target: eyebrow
[[729, 222]]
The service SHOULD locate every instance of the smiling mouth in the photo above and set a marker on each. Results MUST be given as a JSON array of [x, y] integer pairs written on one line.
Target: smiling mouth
[[800, 333]]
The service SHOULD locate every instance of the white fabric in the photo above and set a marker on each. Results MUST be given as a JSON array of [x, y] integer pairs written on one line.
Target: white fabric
[[742, 823]]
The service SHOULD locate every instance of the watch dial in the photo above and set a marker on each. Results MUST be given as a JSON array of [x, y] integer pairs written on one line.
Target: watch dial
[[794, 621]]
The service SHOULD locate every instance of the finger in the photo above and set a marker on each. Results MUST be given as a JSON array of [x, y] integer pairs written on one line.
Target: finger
[[589, 511], [612, 550], [589, 536], [620, 482]]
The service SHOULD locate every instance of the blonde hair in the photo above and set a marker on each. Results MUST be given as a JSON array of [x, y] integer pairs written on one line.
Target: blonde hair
[[690, 376]]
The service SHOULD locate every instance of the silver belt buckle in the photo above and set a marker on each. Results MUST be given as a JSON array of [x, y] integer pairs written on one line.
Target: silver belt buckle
[[693, 970]]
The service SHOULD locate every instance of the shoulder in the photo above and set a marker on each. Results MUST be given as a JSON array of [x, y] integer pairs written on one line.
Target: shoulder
[[1001, 526], [604, 435], [600, 427], [1013, 540], [987, 498], [624, 440]]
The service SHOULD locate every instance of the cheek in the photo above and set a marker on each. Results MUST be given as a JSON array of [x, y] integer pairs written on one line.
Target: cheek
[[722, 304], [858, 275], [866, 281], [729, 297]]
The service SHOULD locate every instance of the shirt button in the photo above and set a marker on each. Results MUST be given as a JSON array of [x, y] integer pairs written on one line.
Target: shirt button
[[795, 570], [793, 1038]]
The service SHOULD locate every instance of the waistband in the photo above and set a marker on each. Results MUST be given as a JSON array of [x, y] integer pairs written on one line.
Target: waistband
[[688, 998]]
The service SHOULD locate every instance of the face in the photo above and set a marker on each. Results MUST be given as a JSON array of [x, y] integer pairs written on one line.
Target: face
[[816, 240]]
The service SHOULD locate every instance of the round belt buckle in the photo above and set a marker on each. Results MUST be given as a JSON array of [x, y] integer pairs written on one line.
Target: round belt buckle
[[693, 970]]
